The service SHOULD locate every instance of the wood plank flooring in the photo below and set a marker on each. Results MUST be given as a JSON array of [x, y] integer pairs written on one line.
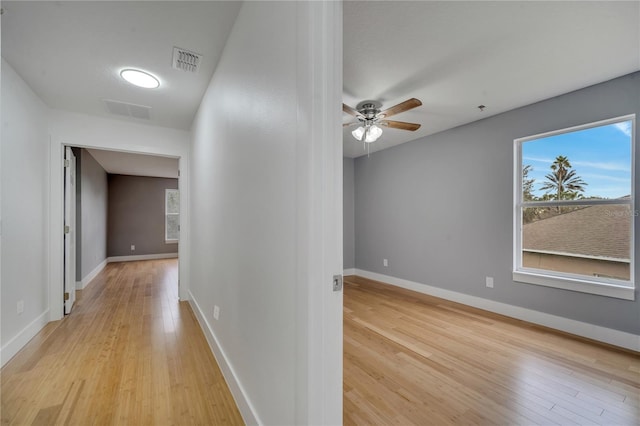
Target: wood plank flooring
[[412, 359], [129, 354]]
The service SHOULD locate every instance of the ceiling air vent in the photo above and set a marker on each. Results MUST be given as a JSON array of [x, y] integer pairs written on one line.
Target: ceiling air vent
[[186, 60], [128, 110]]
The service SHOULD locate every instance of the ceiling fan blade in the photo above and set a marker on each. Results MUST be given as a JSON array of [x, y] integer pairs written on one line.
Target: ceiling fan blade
[[350, 123], [400, 125], [401, 107], [349, 110]]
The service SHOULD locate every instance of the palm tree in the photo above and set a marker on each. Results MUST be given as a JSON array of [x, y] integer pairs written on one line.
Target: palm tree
[[527, 183], [563, 184], [529, 214]]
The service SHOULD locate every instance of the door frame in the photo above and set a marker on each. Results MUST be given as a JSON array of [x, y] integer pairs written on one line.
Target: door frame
[[56, 209], [319, 192], [70, 220]]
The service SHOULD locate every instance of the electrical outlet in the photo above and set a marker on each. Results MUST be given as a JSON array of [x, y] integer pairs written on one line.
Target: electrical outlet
[[385, 262], [489, 282], [20, 306], [133, 247], [216, 312]]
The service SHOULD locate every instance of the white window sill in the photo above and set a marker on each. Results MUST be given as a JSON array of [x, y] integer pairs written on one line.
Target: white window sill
[[171, 241], [620, 291]]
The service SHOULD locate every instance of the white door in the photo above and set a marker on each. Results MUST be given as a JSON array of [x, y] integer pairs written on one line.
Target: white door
[[69, 230]]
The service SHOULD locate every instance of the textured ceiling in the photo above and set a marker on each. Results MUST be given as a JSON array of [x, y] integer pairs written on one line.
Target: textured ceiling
[[454, 56]]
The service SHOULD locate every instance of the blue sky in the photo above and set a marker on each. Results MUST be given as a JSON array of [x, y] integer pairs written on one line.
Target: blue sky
[[600, 155]]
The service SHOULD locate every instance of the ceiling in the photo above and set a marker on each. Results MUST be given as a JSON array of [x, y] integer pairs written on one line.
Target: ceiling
[[455, 56], [71, 53], [124, 163], [451, 55]]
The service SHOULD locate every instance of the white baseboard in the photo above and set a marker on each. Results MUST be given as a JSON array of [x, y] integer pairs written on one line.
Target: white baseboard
[[132, 258], [247, 411], [579, 328], [350, 271], [14, 345], [81, 285]]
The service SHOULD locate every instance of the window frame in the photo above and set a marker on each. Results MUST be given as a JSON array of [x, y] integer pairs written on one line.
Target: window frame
[[602, 286], [166, 217]]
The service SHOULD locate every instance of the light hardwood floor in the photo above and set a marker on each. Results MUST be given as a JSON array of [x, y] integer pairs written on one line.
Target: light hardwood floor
[[129, 354], [415, 359]]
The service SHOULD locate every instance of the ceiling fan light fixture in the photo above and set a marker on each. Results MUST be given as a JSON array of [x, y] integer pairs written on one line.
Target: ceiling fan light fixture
[[358, 133], [370, 133], [373, 134], [368, 114], [140, 78]]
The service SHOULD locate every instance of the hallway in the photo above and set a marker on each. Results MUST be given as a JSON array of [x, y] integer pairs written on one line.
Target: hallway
[[129, 353]]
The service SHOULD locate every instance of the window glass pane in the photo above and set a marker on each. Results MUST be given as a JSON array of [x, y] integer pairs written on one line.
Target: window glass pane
[[173, 222], [173, 201], [592, 163], [586, 240]]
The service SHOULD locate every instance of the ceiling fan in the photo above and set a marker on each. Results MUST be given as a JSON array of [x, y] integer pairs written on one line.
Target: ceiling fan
[[370, 118]]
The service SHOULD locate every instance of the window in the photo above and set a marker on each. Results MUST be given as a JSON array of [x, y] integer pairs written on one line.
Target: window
[[575, 208], [172, 215]]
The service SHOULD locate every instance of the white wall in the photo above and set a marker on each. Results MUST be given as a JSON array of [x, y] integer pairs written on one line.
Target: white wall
[[25, 166], [96, 132], [266, 212], [120, 135]]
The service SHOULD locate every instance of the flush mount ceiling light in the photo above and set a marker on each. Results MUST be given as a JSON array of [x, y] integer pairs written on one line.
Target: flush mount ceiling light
[[140, 78]]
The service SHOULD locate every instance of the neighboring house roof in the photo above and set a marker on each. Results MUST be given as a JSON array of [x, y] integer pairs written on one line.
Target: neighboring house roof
[[596, 231]]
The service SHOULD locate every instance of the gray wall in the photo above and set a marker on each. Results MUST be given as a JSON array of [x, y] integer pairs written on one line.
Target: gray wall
[[92, 223], [440, 208], [136, 215], [349, 237]]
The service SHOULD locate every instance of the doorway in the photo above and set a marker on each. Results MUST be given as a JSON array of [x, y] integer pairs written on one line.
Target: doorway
[[57, 263], [122, 212]]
